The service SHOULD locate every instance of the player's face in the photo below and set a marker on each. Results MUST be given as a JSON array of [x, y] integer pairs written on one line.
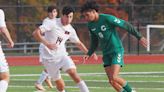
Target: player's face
[[67, 19], [53, 14], [89, 15]]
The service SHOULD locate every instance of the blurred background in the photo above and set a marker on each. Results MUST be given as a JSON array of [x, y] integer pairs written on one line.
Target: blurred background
[[144, 66], [23, 16]]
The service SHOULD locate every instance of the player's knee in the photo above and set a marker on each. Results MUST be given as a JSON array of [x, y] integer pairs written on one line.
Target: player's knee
[[5, 76], [60, 87], [60, 84], [71, 71], [113, 79], [112, 82], [73, 74]]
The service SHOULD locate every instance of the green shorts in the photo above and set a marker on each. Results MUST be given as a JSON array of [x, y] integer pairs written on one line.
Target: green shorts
[[113, 58]]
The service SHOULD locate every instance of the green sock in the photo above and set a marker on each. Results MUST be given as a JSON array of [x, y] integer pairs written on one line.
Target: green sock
[[127, 87]]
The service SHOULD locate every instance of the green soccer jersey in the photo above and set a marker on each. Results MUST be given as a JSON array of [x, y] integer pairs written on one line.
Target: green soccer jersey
[[104, 31]]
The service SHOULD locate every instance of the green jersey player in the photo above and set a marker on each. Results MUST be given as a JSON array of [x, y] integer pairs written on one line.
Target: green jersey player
[[102, 28]]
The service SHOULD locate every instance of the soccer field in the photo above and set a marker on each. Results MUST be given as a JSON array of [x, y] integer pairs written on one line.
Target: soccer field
[[144, 78]]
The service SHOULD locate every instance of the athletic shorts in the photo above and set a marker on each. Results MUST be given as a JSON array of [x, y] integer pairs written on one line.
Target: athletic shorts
[[53, 67], [113, 58], [3, 64]]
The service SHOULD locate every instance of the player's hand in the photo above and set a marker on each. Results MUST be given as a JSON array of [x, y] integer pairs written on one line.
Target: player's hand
[[86, 57], [10, 44], [51, 46], [143, 41], [95, 56]]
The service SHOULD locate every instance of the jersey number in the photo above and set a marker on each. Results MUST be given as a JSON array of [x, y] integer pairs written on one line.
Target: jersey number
[[100, 35], [59, 40]]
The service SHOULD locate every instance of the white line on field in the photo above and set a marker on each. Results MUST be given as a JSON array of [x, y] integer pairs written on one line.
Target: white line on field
[[88, 87], [140, 81], [88, 74]]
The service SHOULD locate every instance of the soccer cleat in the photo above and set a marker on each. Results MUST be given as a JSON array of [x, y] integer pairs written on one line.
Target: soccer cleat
[[39, 87], [48, 82]]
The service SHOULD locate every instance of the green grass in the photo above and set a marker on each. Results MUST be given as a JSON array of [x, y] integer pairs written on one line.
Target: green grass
[[143, 77]]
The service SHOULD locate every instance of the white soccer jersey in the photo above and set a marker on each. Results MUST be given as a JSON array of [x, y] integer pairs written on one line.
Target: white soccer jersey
[[3, 63], [2, 19], [55, 32], [2, 24]]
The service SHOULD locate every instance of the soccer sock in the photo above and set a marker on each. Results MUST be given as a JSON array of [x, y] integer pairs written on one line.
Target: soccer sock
[[3, 86], [42, 77], [82, 86], [127, 87]]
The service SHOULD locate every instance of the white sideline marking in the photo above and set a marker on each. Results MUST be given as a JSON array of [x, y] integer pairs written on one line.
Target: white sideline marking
[[89, 74], [152, 76], [92, 80], [88, 87]]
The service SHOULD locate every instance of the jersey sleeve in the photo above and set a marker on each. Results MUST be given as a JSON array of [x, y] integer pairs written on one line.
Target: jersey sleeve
[[73, 36], [93, 43], [46, 26], [2, 19], [124, 25]]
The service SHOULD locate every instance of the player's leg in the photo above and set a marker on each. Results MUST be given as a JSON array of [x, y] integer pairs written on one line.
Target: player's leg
[[70, 68], [43, 77], [80, 83], [60, 85], [4, 74], [114, 84], [109, 60], [4, 79], [125, 87], [117, 82], [53, 69], [48, 81], [39, 82], [114, 62]]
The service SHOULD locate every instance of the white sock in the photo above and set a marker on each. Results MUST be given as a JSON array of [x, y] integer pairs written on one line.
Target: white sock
[[42, 77], [82, 86], [3, 86]]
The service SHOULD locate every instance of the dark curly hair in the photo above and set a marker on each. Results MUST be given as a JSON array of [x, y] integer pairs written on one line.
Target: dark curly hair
[[89, 5], [67, 9], [51, 8]]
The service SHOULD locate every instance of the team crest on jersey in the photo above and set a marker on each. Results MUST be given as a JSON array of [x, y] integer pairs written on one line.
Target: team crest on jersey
[[103, 28], [66, 32]]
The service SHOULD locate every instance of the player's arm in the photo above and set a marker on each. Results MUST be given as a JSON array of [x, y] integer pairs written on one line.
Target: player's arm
[[74, 38], [37, 34], [131, 29], [82, 47], [4, 30], [124, 25], [7, 36], [93, 44], [128, 27]]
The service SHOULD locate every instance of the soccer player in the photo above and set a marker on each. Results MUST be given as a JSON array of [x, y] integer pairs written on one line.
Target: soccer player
[[102, 28], [4, 68], [52, 14], [53, 53]]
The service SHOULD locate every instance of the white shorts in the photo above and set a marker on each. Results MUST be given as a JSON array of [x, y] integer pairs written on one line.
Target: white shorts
[[53, 66], [3, 64]]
